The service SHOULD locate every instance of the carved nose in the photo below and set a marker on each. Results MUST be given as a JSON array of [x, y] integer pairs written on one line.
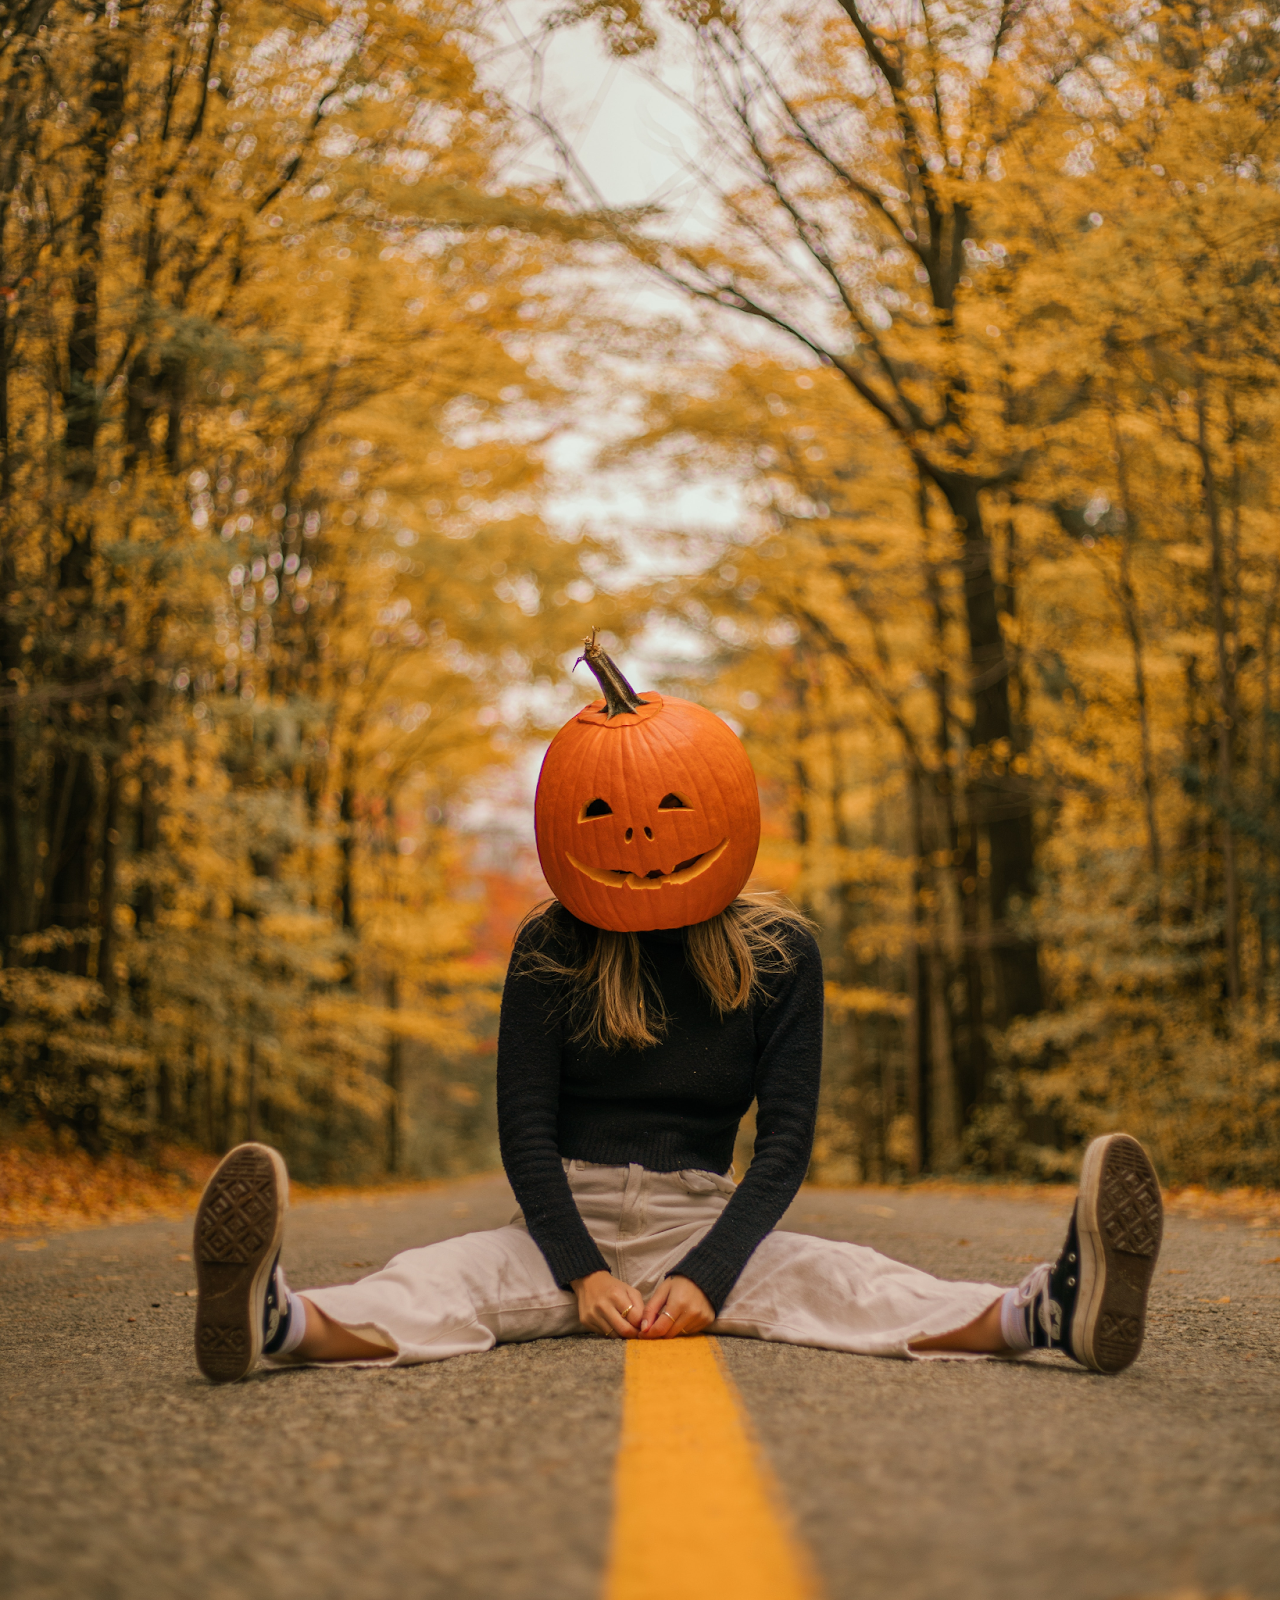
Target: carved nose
[[627, 836]]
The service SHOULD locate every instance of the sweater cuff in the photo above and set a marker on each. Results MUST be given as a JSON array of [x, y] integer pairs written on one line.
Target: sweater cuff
[[575, 1260], [711, 1272]]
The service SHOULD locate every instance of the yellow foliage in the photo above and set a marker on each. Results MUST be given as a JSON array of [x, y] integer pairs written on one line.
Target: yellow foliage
[[270, 554], [1003, 629]]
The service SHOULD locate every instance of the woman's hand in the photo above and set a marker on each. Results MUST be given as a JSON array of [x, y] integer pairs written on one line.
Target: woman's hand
[[676, 1306], [607, 1305]]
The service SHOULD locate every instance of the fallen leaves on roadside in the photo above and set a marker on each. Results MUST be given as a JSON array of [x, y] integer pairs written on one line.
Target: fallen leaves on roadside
[[44, 1186], [1260, 1206], [1191, 1594]]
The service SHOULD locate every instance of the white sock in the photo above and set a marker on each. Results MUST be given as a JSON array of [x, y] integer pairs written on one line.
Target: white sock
[[293, 1313], [297, 1320], [1013, 1321]]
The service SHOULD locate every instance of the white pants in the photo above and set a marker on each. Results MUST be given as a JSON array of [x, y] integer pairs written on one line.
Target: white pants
[[467, 1294]]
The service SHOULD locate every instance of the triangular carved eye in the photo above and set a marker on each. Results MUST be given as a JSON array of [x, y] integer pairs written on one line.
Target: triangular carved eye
[[673, 802], [597, 808]]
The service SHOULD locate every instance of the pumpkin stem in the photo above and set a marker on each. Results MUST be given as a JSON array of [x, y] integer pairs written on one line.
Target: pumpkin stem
[[619, 696]]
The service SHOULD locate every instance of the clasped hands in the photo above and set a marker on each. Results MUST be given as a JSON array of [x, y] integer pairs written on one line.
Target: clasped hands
[[609, 1306]]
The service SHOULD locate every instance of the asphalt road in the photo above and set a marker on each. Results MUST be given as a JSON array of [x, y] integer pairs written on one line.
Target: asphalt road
[[123, 1474]]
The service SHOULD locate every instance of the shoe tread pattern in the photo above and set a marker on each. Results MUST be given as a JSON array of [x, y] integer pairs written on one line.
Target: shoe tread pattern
[[1130, 1220], [1129, 1209], [235, 1228], [237, 1217], [215, 1341]]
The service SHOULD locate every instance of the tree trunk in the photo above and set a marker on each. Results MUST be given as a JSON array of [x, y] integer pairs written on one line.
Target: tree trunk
[[801, 826], [251, 1089], [944, 1110], [106, 885], [347, 846], [164, 1092], [958, 1041], [1225, 654], [228, 1100], [395, 1084], [13, 899], [1193, 843], [74, 790], [1131, 614], [1001, 803], [920, 956], [16, 121], [971, 1051], [81, 400], [1266, 911]]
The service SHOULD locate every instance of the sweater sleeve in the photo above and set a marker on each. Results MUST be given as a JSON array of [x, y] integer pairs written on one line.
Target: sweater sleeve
[[788, 1069], [530, 1037]]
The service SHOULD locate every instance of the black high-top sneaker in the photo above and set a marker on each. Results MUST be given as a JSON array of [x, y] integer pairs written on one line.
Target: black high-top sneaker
[[239, 1224], [1092, 1301]]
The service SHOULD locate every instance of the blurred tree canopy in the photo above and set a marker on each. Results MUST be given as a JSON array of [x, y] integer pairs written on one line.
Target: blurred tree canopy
[[271, 550], [980, 321], [1002, 631]]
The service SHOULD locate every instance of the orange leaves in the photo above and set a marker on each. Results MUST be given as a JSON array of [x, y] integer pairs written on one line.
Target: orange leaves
[[46, 1186]]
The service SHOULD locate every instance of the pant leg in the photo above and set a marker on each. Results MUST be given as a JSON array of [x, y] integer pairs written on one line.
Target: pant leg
[[465, 1295], [797, 1289], [454, 1298]]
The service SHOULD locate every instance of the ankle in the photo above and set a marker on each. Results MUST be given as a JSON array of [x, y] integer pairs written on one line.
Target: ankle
[[1015, 1322], [287, 1318], [981, 1337], [327, 1340]]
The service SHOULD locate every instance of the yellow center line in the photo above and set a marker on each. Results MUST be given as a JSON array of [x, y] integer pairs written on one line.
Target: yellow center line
[[696, 1510]]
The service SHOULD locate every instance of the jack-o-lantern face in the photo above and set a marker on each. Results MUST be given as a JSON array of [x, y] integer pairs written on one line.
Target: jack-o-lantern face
[[649, 817]]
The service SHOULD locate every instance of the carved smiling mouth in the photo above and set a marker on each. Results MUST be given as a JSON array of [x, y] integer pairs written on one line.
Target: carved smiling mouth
[[616, 878]]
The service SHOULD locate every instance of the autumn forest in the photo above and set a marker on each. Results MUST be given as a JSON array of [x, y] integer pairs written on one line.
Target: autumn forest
[[974, 315]]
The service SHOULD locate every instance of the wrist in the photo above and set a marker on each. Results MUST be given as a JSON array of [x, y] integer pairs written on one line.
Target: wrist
[[693, 1283], [577, 1283]]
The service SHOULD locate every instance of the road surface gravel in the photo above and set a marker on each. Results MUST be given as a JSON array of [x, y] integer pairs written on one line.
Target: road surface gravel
[[124, 1474]]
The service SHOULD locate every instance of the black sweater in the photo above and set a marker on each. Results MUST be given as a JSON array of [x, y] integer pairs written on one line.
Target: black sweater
[[673, 1106]]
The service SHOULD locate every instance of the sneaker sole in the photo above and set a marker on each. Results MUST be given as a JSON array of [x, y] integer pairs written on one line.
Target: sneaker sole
[[239, 1225], [1120, 1219]]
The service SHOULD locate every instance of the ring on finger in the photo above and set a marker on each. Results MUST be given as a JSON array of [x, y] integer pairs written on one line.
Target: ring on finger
[[666, 1314]]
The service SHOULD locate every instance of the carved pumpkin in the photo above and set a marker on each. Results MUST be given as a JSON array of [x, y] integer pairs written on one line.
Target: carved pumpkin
[[647, 813]]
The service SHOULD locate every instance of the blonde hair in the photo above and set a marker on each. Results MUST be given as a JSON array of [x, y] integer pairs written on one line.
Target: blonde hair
[[609, 1001]]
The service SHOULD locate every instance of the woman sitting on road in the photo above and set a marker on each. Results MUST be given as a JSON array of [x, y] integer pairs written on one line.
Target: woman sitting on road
[[644, 1010]]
